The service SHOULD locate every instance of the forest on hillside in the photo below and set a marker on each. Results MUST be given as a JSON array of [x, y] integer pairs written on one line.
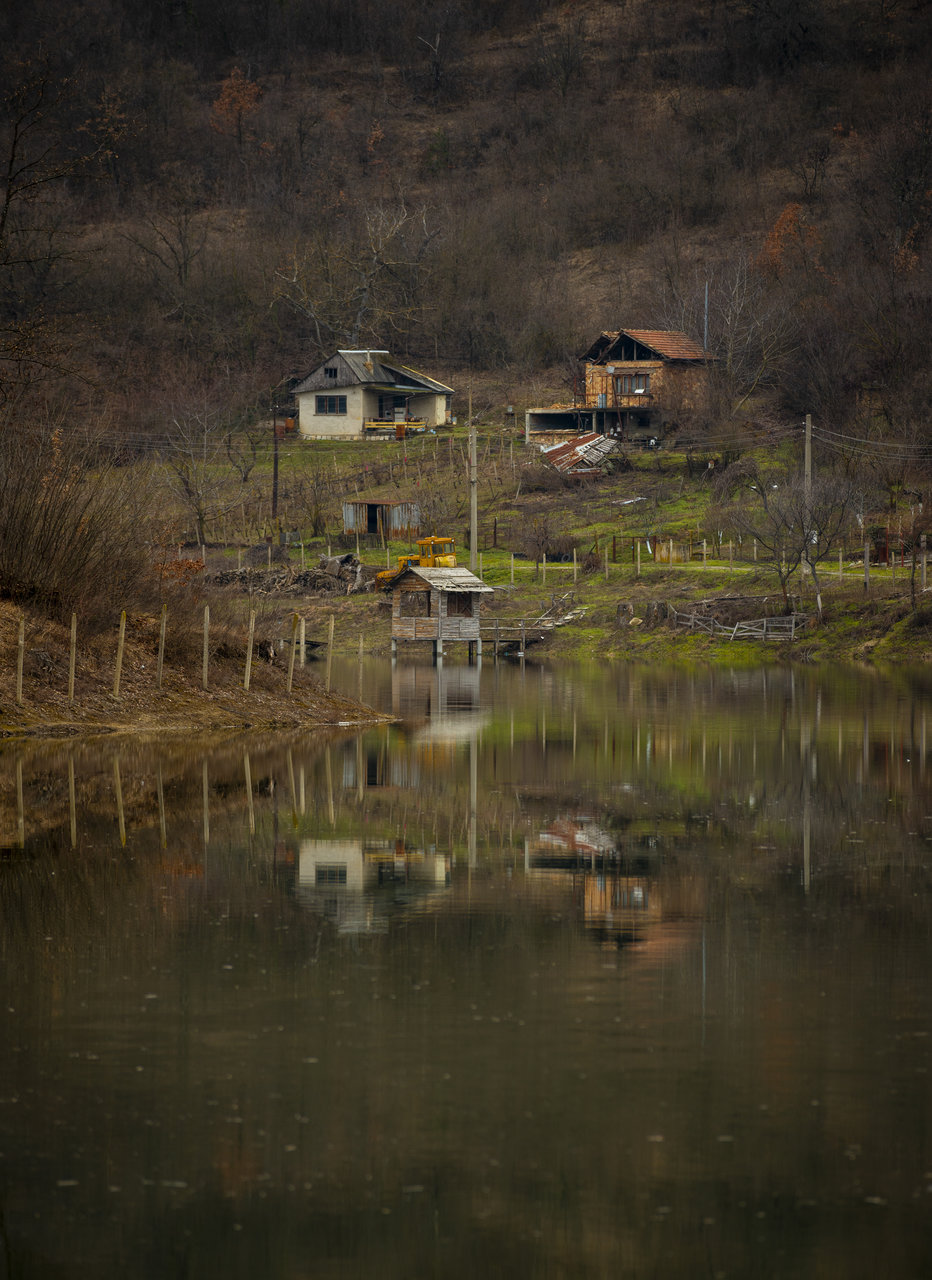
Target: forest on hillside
[[201, 198]]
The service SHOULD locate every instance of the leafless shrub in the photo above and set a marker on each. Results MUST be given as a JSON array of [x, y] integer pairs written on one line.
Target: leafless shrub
[[541, 537], [539, 478], [70, 537]]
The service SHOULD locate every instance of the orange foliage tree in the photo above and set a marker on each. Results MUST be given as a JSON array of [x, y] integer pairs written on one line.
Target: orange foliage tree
[[237, 101]]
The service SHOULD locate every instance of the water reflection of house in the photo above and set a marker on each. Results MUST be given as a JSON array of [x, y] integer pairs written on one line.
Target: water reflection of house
[[617, 908], [359, 884], [618, 890], [435, 693], [379, 764], [576, 837]]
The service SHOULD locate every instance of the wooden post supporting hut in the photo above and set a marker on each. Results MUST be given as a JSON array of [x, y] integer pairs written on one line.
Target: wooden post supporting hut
[[440, 605]]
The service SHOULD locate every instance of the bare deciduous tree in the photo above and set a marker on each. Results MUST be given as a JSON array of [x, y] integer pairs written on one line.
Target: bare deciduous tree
[[363, 286], [751, 332], [796, 524], [193, 465]]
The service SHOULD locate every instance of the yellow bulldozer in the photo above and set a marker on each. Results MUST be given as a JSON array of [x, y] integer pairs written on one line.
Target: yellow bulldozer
[[432, 553]]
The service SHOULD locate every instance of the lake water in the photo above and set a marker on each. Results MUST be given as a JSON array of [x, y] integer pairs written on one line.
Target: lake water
[[613, 972]]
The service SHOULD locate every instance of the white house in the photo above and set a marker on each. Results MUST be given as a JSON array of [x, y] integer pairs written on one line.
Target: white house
[[356, 393]]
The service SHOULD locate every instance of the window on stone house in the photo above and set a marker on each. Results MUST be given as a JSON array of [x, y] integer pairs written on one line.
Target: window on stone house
[[632, 384]]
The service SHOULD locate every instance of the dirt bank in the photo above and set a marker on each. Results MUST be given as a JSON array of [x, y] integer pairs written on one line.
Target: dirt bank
[[180, 706]]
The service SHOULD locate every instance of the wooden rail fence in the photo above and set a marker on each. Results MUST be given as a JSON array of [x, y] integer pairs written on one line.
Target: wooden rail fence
[[782, 627]]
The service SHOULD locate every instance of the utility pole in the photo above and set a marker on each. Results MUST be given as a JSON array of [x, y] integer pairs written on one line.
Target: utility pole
[[808, 460], [274, 464], [473, 492], [807, 492]]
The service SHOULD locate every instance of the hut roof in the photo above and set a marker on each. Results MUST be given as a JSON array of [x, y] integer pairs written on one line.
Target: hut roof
[[445, 579]]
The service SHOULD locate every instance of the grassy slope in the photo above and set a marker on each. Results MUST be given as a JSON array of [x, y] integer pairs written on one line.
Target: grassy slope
[[600, 515]]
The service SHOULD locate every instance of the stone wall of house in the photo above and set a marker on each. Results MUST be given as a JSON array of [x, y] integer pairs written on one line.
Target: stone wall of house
[[672, 385]]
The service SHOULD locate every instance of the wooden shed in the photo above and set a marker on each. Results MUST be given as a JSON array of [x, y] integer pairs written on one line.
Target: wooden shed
[[439, 605], [399, 521]]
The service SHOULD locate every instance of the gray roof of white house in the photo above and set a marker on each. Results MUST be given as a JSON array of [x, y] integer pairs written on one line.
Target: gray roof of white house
[[447, 579], [372, 368]]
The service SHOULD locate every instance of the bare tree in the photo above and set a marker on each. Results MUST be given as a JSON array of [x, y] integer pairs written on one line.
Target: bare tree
[[748, 328], [366, 284], [37, 164], [173, 240], [796, 523], [193, 463]]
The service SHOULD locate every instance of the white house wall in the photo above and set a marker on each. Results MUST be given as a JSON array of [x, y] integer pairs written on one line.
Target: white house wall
[[332, 425]]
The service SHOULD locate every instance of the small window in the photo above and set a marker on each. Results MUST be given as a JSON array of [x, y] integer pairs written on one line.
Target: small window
[[330, 373], [330, 873], [459, 604], [415, 604], [331, 404]]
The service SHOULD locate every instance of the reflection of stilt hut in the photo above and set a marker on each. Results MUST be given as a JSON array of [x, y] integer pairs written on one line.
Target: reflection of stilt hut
[[439, 605]]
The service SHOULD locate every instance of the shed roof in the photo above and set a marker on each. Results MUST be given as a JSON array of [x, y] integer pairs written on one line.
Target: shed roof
[[446, 579], [582, 455]]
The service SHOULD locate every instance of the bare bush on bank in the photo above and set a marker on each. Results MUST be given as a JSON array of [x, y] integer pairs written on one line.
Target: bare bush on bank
[[70, 525]]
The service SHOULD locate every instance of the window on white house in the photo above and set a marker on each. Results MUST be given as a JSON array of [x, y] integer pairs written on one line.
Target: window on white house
[[330, 373], [331, 404]]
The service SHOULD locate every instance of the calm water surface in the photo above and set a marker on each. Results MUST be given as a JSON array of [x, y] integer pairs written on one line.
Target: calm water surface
[[565, 974]]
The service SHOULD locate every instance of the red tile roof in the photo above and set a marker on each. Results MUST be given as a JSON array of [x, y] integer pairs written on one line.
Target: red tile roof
[[669, 343]]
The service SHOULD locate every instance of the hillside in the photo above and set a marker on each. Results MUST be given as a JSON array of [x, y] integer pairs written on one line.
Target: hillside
[[203, 198]]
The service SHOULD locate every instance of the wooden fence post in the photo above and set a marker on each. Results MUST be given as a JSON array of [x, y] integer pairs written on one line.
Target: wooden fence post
[[867, 567], [72, 658], [249, 644], [329, 652], [20, 656], [206, 642], [637, 572], [161, 658], [575, 567], [303, 642], [119, 659]]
